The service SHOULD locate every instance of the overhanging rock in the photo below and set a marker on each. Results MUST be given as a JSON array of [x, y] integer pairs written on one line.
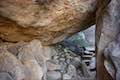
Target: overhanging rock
[[50, 22]]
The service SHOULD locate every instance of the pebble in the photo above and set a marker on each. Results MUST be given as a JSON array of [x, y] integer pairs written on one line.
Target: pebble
[[76, 62], [66, 77], [54, 75], [52, 66], [71, 70]]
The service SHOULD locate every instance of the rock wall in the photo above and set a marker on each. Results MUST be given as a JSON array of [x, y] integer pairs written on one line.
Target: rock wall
[[107, 29]]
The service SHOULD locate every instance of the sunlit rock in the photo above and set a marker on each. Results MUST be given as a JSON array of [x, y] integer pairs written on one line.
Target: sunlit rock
[[50, 21]]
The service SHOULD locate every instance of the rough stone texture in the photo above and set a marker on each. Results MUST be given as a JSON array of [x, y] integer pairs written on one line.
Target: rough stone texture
[[108, 27], [32, 57], [67, 77], [112, 54], [10, 64], [54, 75], [72, 71], [50, 22], [5, 76], [25, 60], [52, 66]]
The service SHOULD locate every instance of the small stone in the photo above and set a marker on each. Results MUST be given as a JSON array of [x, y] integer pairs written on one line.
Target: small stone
[[13, 50], [66, 77], [54, 75], [62, 55], [63, 67], [71, 70], [76, 62], [92, 63], [68, 61], [52, 66], [65, 50], [55, 57], [62, 59], [69, 57]]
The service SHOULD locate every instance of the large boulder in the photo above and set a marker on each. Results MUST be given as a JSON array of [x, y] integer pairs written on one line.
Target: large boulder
[[24, 60], [50, 21], [10, 65]]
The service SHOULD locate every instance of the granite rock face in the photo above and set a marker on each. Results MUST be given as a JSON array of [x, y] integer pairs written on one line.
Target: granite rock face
[[50, 21]]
